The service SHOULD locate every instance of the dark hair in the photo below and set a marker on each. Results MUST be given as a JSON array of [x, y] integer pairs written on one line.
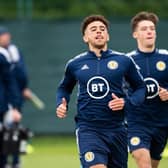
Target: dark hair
[[91, 19], [143, 16], [3, 30]]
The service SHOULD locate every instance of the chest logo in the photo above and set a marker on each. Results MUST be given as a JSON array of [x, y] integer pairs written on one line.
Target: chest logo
[[112, 65], [160, 65], [84, 67], [97, 87], [152, 87]]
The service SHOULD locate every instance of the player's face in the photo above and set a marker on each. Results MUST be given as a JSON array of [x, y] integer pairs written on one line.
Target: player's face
[[145, 34], [96, 35], [5, 39]]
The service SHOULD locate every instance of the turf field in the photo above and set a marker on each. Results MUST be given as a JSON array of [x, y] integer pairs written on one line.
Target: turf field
[[59, 152]]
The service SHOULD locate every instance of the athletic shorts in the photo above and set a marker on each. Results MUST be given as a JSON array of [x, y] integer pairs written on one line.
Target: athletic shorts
[[152, 138], [101, 146]]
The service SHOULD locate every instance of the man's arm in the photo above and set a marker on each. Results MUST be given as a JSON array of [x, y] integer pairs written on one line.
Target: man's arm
[[137, 85], [20, 72], [64, 91]]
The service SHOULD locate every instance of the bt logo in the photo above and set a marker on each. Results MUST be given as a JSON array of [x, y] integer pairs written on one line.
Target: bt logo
[[152, 87], [97, 87]]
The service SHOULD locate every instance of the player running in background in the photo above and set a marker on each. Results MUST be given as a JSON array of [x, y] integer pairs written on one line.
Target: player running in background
[[99, 72], [148, 124]]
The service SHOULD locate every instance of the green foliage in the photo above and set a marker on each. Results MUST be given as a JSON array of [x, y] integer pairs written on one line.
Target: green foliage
[[61, 9]]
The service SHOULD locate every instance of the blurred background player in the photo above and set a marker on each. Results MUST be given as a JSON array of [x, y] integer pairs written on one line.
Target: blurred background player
[[20, 74], [148, 124], [8, 95]]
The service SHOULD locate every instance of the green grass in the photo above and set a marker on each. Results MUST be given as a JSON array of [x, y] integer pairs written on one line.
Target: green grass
[[60, 152], [50, 152]]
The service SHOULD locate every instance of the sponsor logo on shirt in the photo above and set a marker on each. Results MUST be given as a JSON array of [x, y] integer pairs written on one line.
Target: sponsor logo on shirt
[[97, 87], [152, 87]]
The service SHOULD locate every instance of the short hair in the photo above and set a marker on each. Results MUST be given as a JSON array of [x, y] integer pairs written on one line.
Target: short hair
[[91, 19], [3, 30], [143, 16]]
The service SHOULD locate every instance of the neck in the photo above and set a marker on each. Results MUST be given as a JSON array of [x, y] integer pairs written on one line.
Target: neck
[[146, 49], [97, 51]]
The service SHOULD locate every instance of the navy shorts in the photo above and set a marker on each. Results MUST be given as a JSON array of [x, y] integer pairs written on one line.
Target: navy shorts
[[152, 138], [102, 146]]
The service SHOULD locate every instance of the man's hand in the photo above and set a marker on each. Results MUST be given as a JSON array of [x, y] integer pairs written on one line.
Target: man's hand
[[61, 110], [163, 94], [27, 93], [116, 103], [16, 115]]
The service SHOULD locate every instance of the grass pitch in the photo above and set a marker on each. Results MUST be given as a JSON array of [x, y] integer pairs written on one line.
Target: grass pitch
[[60, 152]]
